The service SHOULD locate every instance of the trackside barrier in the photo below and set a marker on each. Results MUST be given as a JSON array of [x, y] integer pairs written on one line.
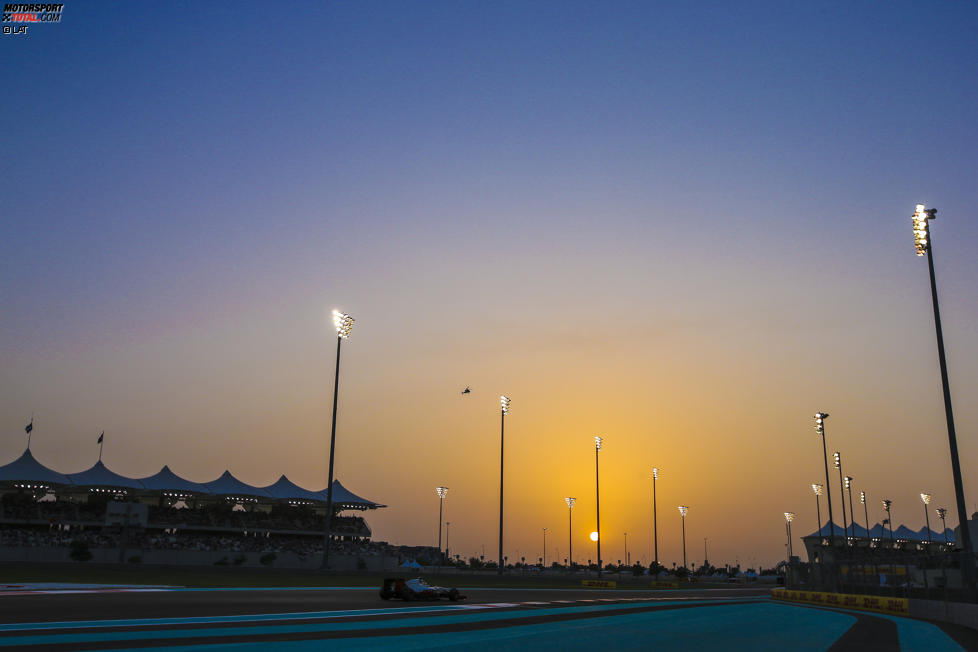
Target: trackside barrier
[[598, 584], [665, 585], [879, 604]]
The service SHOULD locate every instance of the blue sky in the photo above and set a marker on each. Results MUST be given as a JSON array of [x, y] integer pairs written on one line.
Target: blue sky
[[502, 193]]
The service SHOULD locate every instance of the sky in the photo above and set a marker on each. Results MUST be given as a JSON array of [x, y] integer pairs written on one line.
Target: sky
[[684, 227]]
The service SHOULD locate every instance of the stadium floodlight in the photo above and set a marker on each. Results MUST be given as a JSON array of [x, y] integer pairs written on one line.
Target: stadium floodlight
[[837, 457], [597, 497], [682, 513], [852, 512], [344, 324], [570, 528], [925, 246], [887, 503], [788, 518], [862, 499], [442, 492], [817, 488], [926, 499], [820, 418], [504, 410], [921, 228], [942, 514], [655, 520]]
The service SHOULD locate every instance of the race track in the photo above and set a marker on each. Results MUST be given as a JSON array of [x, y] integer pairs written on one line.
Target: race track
[[345, 618]]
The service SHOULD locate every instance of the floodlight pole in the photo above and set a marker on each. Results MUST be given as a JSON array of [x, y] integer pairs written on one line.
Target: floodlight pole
[[852, 512], [682, 512], [820, 428], [570, 537], [344, 324], [927, 520], [787, 523], [544, 547], [597, 497], [504, 402], [502, 439], [842, 497], [818, 515], [942, 513], [684, 542], [889, 516], [655, 525], [968, 562], [332, 451], [442, 492], [862, 499]]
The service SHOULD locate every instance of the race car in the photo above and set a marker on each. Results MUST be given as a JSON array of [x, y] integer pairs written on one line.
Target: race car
[[416, 589]]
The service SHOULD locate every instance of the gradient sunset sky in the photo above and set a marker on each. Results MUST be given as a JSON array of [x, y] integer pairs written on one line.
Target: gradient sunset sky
[[682, 226]]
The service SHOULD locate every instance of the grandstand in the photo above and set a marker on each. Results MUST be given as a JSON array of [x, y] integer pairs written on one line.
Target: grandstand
[[165, 518]]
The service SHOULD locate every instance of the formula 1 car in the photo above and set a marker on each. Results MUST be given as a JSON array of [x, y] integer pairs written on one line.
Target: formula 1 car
[[416, 589]]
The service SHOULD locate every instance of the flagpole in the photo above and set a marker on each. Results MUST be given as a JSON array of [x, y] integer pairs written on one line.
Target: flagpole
[[30, 430], [100, 441]]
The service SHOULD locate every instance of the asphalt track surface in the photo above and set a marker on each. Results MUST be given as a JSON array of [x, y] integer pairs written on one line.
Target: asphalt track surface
[[512, 619]]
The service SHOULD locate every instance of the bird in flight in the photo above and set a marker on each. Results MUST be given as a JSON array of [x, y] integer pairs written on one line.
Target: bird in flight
[[466, 391]]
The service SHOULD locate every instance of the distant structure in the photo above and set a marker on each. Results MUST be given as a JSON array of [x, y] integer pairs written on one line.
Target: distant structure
[[881, 557], [41, 506]]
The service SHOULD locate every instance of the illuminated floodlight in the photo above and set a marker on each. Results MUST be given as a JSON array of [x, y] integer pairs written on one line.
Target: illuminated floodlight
[[837, 458], [789, 516], [597, 442], [655, 472], [441, 491], [570, 501], [941, 513], [504, 402], [921, 227], [594, 536], [886, 504], [925, 498], [343, 323], [820, 418], [683, 509], [817, 488], [848, 482], [862, 497]]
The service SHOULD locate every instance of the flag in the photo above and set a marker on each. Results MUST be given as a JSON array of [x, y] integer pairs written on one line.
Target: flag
[[29, 427], [101, 437]]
